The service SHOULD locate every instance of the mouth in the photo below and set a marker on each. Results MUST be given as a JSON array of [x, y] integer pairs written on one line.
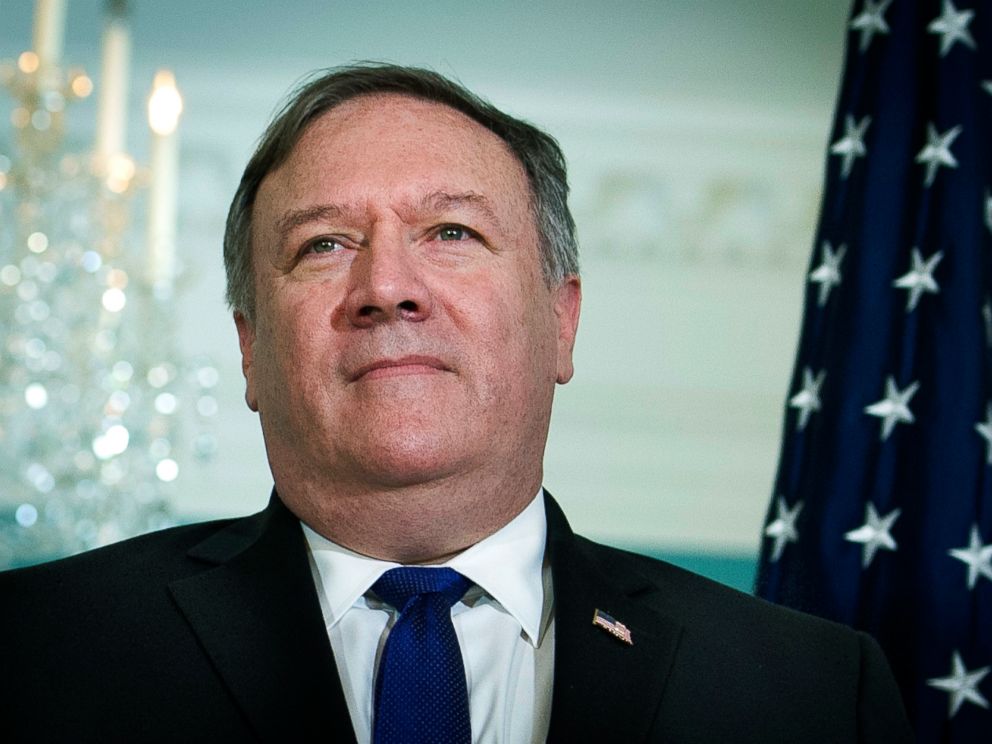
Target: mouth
[[399, 366]]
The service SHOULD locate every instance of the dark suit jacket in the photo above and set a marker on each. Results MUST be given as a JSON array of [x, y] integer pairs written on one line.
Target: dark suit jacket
[[213, 632]]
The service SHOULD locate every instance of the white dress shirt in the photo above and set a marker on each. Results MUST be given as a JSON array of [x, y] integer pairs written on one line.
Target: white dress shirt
[[504, 626]]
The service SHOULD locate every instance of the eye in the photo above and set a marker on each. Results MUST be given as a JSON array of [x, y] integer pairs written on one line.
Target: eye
[[323, 245], [454, 232]]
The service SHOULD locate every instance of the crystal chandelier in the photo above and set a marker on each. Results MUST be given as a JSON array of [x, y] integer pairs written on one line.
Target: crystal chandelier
[[94, 397]]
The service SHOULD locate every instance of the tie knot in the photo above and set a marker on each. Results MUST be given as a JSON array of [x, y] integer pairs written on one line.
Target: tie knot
[[399, 585]]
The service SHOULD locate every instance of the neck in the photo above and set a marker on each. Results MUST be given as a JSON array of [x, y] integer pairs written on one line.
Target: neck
[[421, 523]]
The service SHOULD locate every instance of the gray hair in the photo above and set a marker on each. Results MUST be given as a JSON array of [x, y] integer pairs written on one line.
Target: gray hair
[[537, 151]]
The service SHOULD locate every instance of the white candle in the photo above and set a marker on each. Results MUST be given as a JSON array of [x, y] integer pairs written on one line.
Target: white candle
[[49, 29], [164, 108], [112, 108]]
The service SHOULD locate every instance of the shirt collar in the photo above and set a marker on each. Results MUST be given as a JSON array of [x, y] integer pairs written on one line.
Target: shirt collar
[[508, 565]]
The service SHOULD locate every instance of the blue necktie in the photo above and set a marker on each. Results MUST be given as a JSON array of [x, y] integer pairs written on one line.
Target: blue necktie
[[421, 695]]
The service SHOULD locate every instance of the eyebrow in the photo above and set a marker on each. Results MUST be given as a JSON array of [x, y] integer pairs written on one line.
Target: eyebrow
[[295, 218], [435, 201], [440, 201]]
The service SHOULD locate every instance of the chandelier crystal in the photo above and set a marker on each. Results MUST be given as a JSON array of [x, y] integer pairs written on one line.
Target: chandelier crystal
[[99, 411]]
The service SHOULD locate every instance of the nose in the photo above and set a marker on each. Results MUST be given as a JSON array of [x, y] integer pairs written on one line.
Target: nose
[[386, 284]]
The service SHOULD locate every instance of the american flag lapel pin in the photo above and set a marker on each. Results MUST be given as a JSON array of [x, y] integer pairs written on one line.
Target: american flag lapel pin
[[613, 627]]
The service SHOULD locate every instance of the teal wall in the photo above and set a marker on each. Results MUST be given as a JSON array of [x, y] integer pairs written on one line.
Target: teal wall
[[737, 571]]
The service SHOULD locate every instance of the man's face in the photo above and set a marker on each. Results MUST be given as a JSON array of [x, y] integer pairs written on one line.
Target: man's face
[[403, 332]]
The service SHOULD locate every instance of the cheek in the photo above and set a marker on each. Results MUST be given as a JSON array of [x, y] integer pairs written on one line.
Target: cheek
[[515, 336], [288, 350]]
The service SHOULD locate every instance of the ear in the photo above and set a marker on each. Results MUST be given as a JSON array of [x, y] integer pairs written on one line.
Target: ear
[[246, 340], [568, 300]]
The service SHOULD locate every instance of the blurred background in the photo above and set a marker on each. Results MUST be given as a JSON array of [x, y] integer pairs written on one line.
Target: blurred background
[[695, 135]]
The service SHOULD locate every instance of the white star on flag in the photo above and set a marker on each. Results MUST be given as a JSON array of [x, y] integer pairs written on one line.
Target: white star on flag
[[871, 21], [962, 685], [894, 407], [976, 556], [952, 27], [988, 211], [919, 279], [987, 317], [937, 151], [852, 144], [984, 428], [827, 274], [783, 528], [807, 400], [987, 84], [874, 533]]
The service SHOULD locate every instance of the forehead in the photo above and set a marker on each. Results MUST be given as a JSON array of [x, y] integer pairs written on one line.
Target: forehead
[[392, 145]]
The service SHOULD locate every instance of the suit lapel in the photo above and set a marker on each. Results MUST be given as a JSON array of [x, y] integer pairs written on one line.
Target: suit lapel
[[256, 613], [603, 687]]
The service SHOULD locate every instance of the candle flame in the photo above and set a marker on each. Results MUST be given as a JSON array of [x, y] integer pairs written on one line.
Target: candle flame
[[165, 104]]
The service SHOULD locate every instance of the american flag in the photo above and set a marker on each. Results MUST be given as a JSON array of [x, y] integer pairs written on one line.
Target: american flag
[[881, 516], [613, 627]]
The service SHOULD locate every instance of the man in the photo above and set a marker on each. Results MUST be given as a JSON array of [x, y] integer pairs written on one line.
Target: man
[[403, 273]]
